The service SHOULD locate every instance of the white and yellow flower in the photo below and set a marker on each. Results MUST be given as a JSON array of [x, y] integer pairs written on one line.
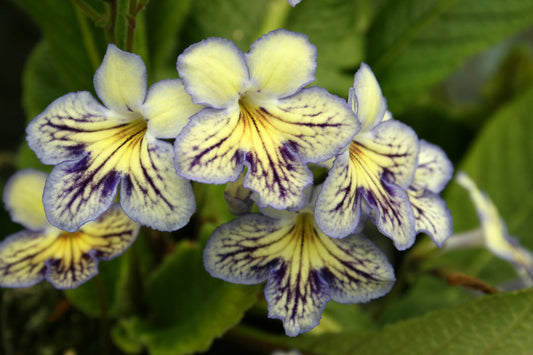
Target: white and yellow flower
[[493, 232], [304, 267], [95, 147], [42, 251], [376, 168], [258, 114]]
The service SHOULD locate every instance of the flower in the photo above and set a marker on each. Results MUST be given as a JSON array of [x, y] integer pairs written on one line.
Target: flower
[[293, 3], [377, 167], [494, 233], [43, 251], [97, 146], [304, 267], [433, 172], [258, 114]]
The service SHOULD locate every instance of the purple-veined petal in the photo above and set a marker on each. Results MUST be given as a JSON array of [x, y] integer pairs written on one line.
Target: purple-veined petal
[[208, 148], [23, 256], [434, 168], [338, 206], [68, 126], [313, 122], [281, 62], [168, 108], [23, 199], [431, 215], [378, 167], [151, 191], [302, 261], [366, 98], [79, 191], [214, 72], [120, 81], [243, 250], [65, 259]]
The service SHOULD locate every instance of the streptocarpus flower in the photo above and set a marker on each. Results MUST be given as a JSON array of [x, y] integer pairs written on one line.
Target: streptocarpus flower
[[494, 233], [42, 251], [433, 172], [97, 146], [304, 267], [258, 114], [377, 167]]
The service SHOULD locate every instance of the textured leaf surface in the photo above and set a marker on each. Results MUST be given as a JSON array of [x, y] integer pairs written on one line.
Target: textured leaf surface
[[70, 36], [499, 324], [190, 307], [414, 44]]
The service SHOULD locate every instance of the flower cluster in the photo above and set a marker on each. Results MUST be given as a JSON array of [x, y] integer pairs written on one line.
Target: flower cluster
[[250, 120]]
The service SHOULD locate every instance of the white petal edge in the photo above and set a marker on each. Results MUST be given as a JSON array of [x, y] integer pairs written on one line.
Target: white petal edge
[[214, 72], [281, 62], [120, 81]]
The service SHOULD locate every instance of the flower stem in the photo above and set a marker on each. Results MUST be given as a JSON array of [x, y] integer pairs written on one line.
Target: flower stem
[[88, 40], [88, 10], [111, 21]]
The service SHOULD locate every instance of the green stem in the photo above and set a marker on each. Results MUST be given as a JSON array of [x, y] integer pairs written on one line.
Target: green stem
[[275, 17], [112, 11], [132, 23], [104, 329], [88, 11], [88, 40]]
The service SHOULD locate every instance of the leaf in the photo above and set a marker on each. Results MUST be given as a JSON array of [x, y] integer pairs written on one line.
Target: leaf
[[189, 308], [41, 82], [500, 161], [414, 44], [238, 20], [75, 45], [498, 324], [164, 21], [334, 26]]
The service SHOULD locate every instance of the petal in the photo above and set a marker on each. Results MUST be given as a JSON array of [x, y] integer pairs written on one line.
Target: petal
[[120, 82], [67, 127], [237, 197], [394, 215], [278, 176], [296, 294], [207, 150], [293, 3], [338, 206], [314, 123], [110, 234], [434, 168], [366, 98], [23, 256], [391, 148], [151, 192], [379, 166], [282, 62], [243, 250], [355, 269], [23, 199], [168, 108], [79, 191], [214, 72], [431, 216]]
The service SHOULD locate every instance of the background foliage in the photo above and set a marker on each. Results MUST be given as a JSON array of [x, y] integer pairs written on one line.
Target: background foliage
[[459, 72]]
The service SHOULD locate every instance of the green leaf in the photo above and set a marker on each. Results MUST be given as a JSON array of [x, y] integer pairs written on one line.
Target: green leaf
[[75, 45], [238, 20], [500, 162], [165, 19], [498, 324], [188, 307], [414, 44]]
